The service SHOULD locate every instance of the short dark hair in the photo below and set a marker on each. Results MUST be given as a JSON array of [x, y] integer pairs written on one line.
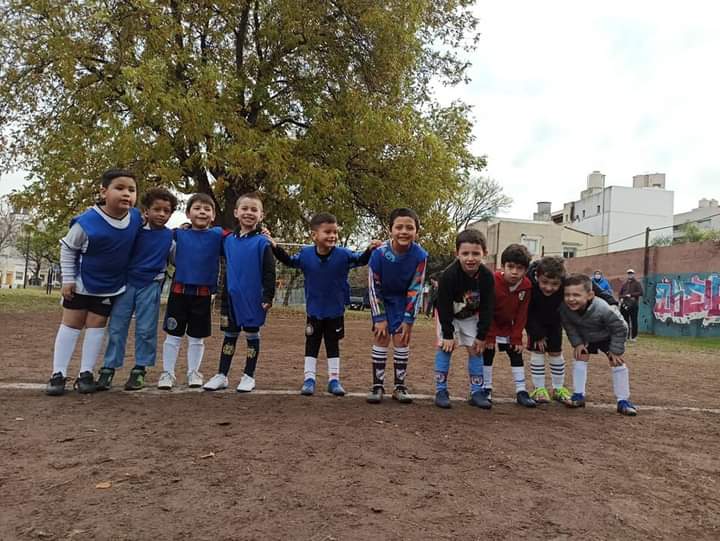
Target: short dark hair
[[551, 266], [199, 198], [249, 195], [322, 218], [579, 280], [404, 212], [472, 236], [111, 174], [516, 253], [163, 194]]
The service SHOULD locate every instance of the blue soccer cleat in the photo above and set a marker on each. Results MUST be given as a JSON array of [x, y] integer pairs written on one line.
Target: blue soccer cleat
[[335, 388], [625, 407], [308, 388], [577, 400]]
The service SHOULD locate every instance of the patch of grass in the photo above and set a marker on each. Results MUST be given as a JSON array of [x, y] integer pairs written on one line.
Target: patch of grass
[[14, 301], [679, 343]]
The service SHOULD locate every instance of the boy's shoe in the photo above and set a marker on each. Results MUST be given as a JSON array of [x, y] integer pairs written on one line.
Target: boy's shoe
[[479, 399], [625, 407], [136, 380], [562, 395], [308, 387], [105, 377], [166, 381], [488, 393], [217, 382], [376, 395], [540, 395], [85, 383], [194, 379], [400, 393], [334, 388], [523, 398], [246, 384], [442, 399], [56, 385], [577, 400]]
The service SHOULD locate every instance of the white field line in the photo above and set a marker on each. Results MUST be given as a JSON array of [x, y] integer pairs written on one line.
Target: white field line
[[181, 389]]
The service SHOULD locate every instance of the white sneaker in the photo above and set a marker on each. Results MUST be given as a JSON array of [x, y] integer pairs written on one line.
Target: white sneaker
[[246, 384], [217, 382], [194, 379], [166, 381]]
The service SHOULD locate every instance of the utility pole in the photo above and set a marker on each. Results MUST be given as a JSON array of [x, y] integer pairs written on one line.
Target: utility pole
[[27, 258]]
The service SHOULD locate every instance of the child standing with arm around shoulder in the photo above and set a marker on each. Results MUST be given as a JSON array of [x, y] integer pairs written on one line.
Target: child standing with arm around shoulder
[[325, 268], [396, 277], [94, 257], [145, 278], [465, 299], [248, 292], [592, 326]]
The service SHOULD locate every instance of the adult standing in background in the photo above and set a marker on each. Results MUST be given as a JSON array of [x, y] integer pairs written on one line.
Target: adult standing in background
[[630, 294]]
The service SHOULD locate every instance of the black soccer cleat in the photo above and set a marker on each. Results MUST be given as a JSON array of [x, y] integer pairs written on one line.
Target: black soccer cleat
[[56, 385], [523, 398], [85, 383], [442, 399], [105, 377], [479, 399], [136, 379]]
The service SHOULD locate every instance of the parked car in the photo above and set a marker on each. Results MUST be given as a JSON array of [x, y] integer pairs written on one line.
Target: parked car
[[359, 298]]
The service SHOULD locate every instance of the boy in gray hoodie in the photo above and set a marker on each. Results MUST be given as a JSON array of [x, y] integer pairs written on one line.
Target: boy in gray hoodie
[[591, 327]]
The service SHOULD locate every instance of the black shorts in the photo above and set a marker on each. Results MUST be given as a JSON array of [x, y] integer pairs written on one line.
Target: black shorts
[[597, 347], [227, 324], [332, 329], [97, 305], [188, 314], [553, 339]]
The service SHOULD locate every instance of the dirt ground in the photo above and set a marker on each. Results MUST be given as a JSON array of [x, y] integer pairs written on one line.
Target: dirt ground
[[201, 465]]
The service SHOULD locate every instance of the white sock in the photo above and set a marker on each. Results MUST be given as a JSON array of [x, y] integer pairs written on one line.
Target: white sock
[[537, 368], [579, 376], [196, 348], [65, 342], [621, 382], [518, 373], [92, 344], [310, 367], [487, 377], [557, 371], [171, 348], [333, 368]]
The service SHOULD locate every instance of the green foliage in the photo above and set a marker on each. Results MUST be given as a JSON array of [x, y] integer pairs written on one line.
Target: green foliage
[[39, 244], [664, 240], [693, 233]]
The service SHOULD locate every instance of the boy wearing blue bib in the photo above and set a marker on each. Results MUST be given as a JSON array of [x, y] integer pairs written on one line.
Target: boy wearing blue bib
[[145, 278]]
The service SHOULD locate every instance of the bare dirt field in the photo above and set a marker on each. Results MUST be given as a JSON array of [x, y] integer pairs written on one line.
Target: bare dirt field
[[198, 465]]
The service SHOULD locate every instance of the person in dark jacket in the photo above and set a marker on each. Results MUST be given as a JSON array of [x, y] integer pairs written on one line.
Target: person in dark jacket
[[630, 294]]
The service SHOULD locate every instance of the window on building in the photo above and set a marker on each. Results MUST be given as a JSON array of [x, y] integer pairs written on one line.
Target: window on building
[[532, 245], [583, 213], [598, 207], [18, 275], [569, 251]]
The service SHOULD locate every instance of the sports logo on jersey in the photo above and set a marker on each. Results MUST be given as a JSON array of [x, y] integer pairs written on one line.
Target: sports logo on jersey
[[171, 324], [309, 329], [521, 295]]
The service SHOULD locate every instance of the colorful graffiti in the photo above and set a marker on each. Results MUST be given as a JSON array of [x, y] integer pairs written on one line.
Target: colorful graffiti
[[683, 301]]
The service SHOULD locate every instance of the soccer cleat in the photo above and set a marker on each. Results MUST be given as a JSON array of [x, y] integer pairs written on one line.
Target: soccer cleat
[[562, 395], [442, 399], [166, 381], [400, 393], [217, 382], [105, 377], [334, 388], [625, 407], [308, 387], [246, 384], [479, 399], [540, 395], [56, 385], [376, 395], [488, 393], [523, 398], [85, 383], [194, 379], [136, 379], [577, 400]]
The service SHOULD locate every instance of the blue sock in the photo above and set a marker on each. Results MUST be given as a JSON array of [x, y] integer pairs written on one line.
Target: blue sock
[[442, 367], [475, 369]]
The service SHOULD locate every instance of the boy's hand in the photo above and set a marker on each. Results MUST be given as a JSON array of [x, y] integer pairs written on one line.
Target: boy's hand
[[541, 345], [374, 244], [447, 345], [266, 233], [517, 348], [380, 329], [478, 347], [405, 332], [581, 353], [615, 360], [266, 306], [68, 291]]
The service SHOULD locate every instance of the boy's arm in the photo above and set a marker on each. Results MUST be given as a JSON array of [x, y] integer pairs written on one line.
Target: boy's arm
[[520, 320], [618, 329], [284, 258], [358, 259], [571, 330], [444, 305], [70, 246], [377, 306], [487, 305], [414, 293], [268, 276]]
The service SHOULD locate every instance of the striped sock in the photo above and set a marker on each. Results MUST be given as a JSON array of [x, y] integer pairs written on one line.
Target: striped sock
[[379, 360], [400, 362], [557, 371], [537, 369]]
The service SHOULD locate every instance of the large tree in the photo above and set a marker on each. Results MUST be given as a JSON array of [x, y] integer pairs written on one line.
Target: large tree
[[319, 104]]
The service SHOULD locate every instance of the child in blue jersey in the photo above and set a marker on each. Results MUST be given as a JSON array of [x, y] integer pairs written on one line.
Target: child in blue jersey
[[248, 292], [145, 277], [325, 267], [94, 257], [396, 277], [197, 258]]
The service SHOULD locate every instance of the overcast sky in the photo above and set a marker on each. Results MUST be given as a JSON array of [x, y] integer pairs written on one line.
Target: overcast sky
[[562, 88]]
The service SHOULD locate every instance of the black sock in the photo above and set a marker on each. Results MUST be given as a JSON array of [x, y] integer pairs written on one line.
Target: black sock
[[251, 358], [226, 354]]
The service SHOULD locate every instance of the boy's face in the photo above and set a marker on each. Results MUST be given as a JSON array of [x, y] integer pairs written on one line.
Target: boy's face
[[120, 195], [577, 297], [249, 213], [158, 213], [201, 215], [470, 257], [403, 231], [513, 273], [325, 236], [547, 285]]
